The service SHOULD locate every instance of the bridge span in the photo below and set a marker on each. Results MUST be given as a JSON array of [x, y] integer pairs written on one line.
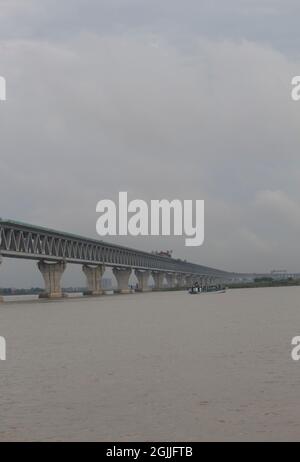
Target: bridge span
[[54, 249]]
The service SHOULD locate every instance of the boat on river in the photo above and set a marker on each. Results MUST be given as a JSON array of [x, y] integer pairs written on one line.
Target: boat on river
[[208, 290]]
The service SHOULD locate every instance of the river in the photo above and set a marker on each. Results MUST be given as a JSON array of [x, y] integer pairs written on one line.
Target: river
[[163, 366]]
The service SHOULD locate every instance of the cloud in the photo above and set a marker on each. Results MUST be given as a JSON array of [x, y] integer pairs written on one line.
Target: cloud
[[97, 113], [279, 206], [262, 21]]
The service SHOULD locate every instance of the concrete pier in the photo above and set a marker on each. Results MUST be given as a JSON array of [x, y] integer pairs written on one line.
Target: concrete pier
[[93, 277], [122, 276], [158, 277], [189, 280], [171, 280], [203, 282], [207, 282], [143, 280], [181, 281], [52, 273]]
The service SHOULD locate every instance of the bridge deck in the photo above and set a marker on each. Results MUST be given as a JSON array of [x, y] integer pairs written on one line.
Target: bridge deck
[[21, 240]]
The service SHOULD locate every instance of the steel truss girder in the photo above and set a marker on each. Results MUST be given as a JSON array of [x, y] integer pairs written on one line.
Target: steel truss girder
[[18, 240]]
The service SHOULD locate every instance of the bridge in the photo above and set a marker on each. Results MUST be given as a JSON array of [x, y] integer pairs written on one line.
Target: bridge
[[54, 249]]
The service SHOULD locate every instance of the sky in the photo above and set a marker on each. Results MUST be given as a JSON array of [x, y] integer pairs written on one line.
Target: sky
[[165, 99]]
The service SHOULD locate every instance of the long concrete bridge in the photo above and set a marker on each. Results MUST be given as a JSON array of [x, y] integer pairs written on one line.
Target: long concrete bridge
[[54, 249]]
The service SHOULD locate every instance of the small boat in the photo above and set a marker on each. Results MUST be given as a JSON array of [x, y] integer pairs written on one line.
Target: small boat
[[210, 290]]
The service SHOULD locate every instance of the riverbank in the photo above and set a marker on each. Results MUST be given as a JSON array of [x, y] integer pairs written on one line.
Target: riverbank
[[256, 284]]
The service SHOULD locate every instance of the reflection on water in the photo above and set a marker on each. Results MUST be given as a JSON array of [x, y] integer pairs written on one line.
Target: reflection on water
[[156, 366]]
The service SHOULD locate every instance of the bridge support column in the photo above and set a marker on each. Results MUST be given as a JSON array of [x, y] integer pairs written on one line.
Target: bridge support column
[[171, 280], [143, 278], [218, 282], [180, 281], [93, 277], [208, 282], [189, 281], [158, 277], [52, 273], [122, 276], [202, 282]]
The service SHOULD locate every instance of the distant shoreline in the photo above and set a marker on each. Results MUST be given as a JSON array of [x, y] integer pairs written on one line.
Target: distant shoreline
[[249, 285]]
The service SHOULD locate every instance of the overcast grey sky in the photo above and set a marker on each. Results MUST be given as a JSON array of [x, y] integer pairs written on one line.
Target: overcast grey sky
[[163, 99]]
